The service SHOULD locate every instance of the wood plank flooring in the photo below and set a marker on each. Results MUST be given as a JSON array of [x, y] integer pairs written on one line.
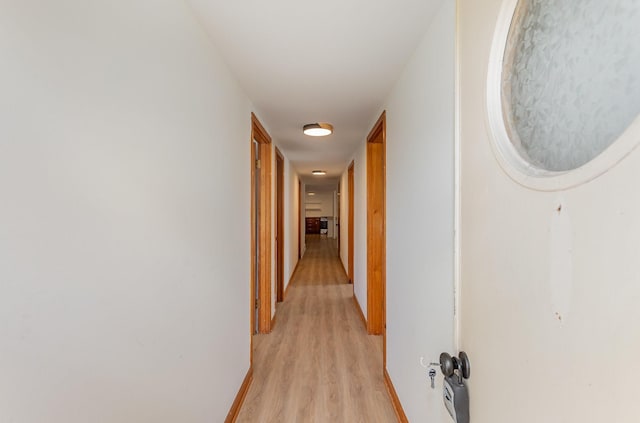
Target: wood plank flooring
[[318, 364]]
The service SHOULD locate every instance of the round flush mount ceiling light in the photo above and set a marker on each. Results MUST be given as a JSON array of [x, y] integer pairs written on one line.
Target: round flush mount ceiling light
[[319, 172], [320, 129]]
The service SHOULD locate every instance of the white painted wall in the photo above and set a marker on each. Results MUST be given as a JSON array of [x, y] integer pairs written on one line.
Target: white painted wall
[[124, 162], [544, 346], [291, 218], [319, 205], [360, 226], [420, 218]]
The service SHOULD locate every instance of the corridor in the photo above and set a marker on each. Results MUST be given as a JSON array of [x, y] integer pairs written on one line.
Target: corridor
[[318, 364]]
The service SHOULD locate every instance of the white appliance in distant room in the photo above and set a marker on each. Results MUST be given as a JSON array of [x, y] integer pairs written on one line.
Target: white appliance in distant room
[[324, 226]]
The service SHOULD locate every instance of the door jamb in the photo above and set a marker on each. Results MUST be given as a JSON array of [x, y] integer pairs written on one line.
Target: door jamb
[[299, 219], [350, 222], [263, 234], [336, 222], [376, 232], [279, 226]]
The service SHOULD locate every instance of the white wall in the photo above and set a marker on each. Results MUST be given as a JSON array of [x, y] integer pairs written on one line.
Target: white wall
[[124, 160], [420, 218], [291, 196], [360, 226], [545, 346], [319, 205]]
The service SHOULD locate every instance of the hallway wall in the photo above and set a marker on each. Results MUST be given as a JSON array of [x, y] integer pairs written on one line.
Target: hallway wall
[[360, 226], [291, 196], [420, 218], [124, 162]]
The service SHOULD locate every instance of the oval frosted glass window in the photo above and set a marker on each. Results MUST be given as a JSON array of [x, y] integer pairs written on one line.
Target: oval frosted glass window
[[570, 78]]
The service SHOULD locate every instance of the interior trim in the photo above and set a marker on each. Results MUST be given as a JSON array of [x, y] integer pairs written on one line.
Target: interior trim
[[263, 235], [376, 231], [397, 406], [242, 393]]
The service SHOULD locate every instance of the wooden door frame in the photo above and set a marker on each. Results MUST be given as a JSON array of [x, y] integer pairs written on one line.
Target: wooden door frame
[[300, 219], [376, 231], [337, 223], [279, 226], [263, 235], [350, 222]]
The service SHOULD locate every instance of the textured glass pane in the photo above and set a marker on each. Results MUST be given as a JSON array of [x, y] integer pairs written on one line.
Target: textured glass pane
[[571, 78]]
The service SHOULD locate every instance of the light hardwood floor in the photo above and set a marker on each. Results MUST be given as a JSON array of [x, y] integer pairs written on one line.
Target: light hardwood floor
[[318, 364]]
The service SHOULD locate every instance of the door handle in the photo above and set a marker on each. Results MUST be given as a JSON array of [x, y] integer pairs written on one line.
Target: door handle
[[455, 393], [449, 365]]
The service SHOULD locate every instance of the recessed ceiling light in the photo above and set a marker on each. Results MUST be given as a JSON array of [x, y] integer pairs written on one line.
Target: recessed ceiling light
[[319, 172], [319, 129], [311, 193]]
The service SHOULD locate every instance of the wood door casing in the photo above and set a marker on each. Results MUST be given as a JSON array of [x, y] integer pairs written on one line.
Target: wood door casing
[[337, 223], [376, 233], [279, 226], [299, 219], [350, 222], [261, 214]]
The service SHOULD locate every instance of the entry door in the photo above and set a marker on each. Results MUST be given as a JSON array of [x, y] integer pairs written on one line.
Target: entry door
[[550, 262]]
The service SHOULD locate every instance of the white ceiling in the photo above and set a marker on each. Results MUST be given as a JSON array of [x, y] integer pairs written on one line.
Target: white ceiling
[[303, 61]]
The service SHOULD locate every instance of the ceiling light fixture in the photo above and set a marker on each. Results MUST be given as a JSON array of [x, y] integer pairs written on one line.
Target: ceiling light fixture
[[311, 193], [319, 129], [319, 172]]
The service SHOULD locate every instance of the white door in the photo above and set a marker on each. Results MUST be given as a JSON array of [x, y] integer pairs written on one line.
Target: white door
[[550, 263]]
